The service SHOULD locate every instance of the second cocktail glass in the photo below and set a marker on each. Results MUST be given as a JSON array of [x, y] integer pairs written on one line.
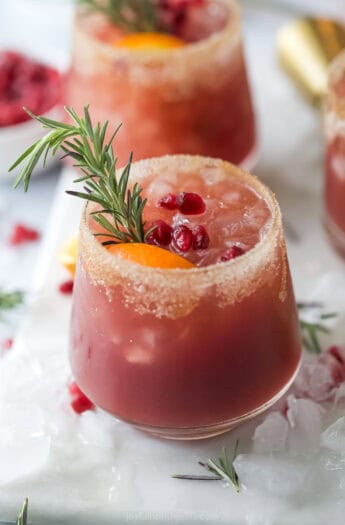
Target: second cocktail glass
[[193, 99]]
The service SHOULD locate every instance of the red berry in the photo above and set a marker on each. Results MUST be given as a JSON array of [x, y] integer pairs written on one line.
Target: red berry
[[81, 404], [182, 238], [74, 389], [336, 352], [232, 253], [161, 235], [168, 202], [190, 203], [7, 344], [22, 234], [201, 238], [66, 287]]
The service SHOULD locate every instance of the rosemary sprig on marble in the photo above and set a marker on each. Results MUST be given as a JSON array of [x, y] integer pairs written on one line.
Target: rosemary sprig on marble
[[310, 331], [10, 300], [23, 515], [222, 469], [134, 16], [119, 209]]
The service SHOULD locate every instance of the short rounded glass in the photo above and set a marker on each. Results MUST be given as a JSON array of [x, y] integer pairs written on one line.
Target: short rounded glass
[[194, 99], [185, 354], [334, 193]]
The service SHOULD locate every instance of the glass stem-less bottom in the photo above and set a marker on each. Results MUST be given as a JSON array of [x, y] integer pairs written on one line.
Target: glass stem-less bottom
[[335, 234], [208, 431]]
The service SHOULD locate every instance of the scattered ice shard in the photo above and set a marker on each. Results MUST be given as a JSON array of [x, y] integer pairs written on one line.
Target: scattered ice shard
[[266, 473], [304, 416], [271, 435], [333, 437]]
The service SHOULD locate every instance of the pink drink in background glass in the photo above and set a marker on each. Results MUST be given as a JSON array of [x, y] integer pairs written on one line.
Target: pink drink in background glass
[[194, 99], [187, 354], [335, 154]]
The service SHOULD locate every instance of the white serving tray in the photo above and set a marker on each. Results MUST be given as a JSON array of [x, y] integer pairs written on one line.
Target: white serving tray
[[91, 469]]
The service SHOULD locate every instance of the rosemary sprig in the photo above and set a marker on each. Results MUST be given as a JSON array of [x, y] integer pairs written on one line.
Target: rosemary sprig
[[131, 15], [222, 470], [10, 300], [23, 515], [120, 210], [311, 331]]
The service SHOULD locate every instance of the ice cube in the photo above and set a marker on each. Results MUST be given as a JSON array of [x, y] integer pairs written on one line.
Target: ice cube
[[271, 435], [333, 437], [304, 416], [314, 380], [96, 429], [280, 476], [23, 458]]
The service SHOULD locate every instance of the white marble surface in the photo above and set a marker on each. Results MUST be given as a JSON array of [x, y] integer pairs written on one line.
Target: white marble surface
[[94, 470]]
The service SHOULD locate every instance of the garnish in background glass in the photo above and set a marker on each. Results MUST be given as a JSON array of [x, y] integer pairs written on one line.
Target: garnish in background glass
[[96, 160], [130, 15], [23, 515], [310, 331], [222, 470], [10, 300]]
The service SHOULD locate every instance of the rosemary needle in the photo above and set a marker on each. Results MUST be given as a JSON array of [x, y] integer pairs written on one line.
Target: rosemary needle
[[10, 300], [119, 209], [23, 515], [310, 331], [222, 469]]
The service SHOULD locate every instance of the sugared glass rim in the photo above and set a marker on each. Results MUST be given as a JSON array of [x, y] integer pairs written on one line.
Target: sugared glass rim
[[229, 33], [335, 73], [176, 292]]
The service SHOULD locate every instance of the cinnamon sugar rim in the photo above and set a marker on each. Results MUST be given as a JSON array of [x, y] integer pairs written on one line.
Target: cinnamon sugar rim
[[335, 73], [231, 30], [256, 256]]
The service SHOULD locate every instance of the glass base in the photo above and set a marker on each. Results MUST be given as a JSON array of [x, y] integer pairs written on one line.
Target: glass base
[[335, 234], [250, 161], [204, 432]]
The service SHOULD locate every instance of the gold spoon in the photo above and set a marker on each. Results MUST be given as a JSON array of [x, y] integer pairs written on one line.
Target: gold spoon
[[306, 47]]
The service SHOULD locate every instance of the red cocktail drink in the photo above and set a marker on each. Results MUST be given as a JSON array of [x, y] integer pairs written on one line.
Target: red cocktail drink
[[335, 155], [188, 353], [192, 99]]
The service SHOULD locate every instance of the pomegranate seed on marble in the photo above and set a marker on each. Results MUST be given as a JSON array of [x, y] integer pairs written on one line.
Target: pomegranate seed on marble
[[168, 202], [81, 404], [182, 238], [336, 352], [232, 253], [22, 234], [66, 287], [201, 238], [74, 389], [7, 344], [161, 235], [190, 203]]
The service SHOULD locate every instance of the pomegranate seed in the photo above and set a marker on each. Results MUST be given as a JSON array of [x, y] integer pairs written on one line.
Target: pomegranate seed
[[7, 344], [168, 202], [81, 404], [183, 238], [22, 234], [201, 238], [190, 203], [161, 235], [337, 354], [66, 287], [74, 389], [232, 253]]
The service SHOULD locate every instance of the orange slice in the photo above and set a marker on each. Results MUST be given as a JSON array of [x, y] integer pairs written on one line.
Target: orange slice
[[149, 41], [149, 255], [68, 254]]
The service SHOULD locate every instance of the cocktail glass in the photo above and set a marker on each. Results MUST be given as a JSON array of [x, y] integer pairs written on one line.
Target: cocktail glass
[[189, 353], [334, 213], [193, 99]]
